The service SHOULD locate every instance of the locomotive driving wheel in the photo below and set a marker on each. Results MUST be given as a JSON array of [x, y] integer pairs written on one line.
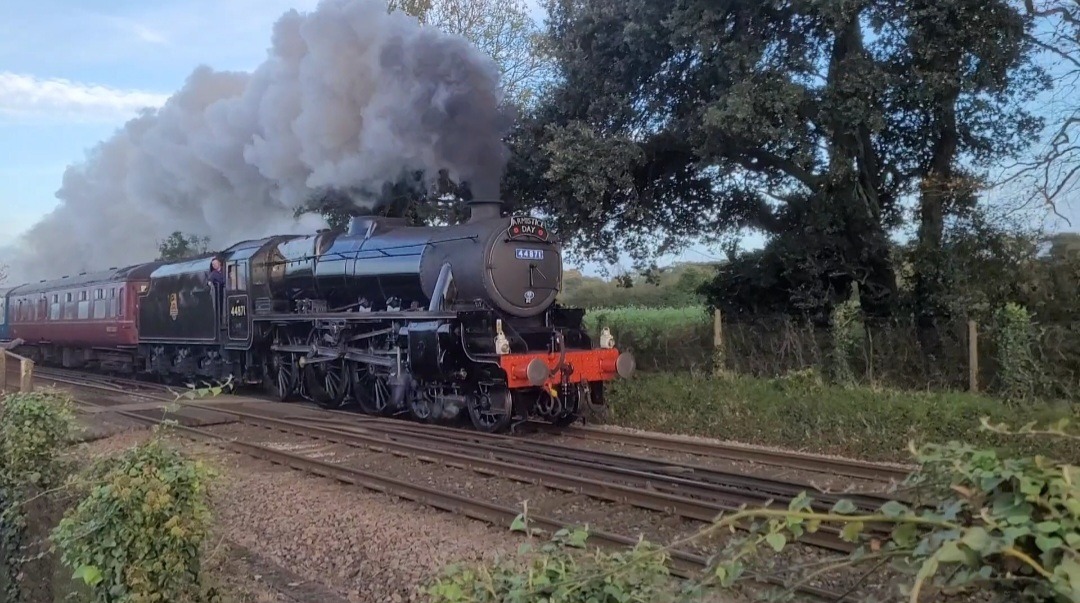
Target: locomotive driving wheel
[[371, 389], [282, 375], [491, 409], [327, 382]]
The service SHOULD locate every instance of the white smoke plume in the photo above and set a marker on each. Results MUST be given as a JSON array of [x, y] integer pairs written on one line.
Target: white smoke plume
[[349, 96]]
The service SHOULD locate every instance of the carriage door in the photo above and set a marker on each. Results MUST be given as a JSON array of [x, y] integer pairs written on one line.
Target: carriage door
[[236, 301]]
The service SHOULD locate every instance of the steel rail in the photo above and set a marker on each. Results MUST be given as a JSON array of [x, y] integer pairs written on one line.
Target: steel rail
[[788, 460], [674, 475]]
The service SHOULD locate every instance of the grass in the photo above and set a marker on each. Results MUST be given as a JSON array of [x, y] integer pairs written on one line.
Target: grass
[[801, 413]]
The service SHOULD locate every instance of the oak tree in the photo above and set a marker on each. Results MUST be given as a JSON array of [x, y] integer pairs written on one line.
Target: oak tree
[[813, 122]]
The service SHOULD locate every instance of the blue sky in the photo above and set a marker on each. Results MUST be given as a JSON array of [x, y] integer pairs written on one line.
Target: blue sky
[[72, 72]]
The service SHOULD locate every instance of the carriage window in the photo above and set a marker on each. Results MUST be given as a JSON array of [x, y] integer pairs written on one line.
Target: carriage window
[[120, 304], [112, 293], [67, 297], [82, 295], [99, 293]]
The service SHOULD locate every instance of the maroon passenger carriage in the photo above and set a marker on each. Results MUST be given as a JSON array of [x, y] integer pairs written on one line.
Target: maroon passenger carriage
[[86, 319]]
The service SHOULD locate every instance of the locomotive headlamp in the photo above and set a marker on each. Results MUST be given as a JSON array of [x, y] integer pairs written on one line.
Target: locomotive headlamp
[[625, 365], [606, 340], [502, 344]]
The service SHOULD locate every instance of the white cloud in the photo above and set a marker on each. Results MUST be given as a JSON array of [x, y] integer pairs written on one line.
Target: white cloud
[[29, 97]]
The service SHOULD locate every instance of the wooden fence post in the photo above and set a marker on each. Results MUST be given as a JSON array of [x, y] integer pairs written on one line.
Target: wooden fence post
[[973, 356], [718, 343], [26, 375], [3, 371]]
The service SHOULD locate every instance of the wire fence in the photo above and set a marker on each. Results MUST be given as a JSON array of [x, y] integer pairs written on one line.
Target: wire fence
[[891, 353]]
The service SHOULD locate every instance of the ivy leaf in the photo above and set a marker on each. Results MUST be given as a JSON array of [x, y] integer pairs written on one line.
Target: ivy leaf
[[950, 553], [518, 525], [844, 507], [1047, 544], [904, 535], [1069, 572], [89, 574], [577, 539], [777, 541], [893, 509], [1047, 527], [851, 531], [977, 539]]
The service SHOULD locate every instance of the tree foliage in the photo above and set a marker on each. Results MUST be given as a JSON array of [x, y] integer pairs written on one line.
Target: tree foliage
[[407, 198], [809, 121], [179, 246]]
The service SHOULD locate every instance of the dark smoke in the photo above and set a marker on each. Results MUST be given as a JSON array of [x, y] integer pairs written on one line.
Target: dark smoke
[[349, 98]]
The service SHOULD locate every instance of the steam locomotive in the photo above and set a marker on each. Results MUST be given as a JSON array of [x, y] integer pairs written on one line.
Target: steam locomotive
[[430, 322]]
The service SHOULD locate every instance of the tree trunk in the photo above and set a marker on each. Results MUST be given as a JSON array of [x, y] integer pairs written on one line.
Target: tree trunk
[[853, 170], [931, 278]]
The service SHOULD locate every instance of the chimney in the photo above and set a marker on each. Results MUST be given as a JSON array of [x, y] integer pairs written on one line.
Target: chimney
[[484, 209]]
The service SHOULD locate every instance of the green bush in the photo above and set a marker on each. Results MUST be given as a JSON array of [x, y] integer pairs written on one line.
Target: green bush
[[984, 522], [847, 335], [800, 412], [660, 338], [137, 535], [560, 571], [34, 428], [1018, 373]]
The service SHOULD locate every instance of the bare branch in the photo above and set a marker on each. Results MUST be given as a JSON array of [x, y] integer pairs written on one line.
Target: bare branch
[[1053, 173], [502, 29]]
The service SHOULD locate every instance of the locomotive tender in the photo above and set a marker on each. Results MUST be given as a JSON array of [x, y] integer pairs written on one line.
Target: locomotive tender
[[428, 321]]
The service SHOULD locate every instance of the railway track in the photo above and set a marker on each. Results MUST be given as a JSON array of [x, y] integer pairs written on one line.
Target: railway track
[[682, 563], [834, 466], [693, 493], [684, 476], [785, 459]]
